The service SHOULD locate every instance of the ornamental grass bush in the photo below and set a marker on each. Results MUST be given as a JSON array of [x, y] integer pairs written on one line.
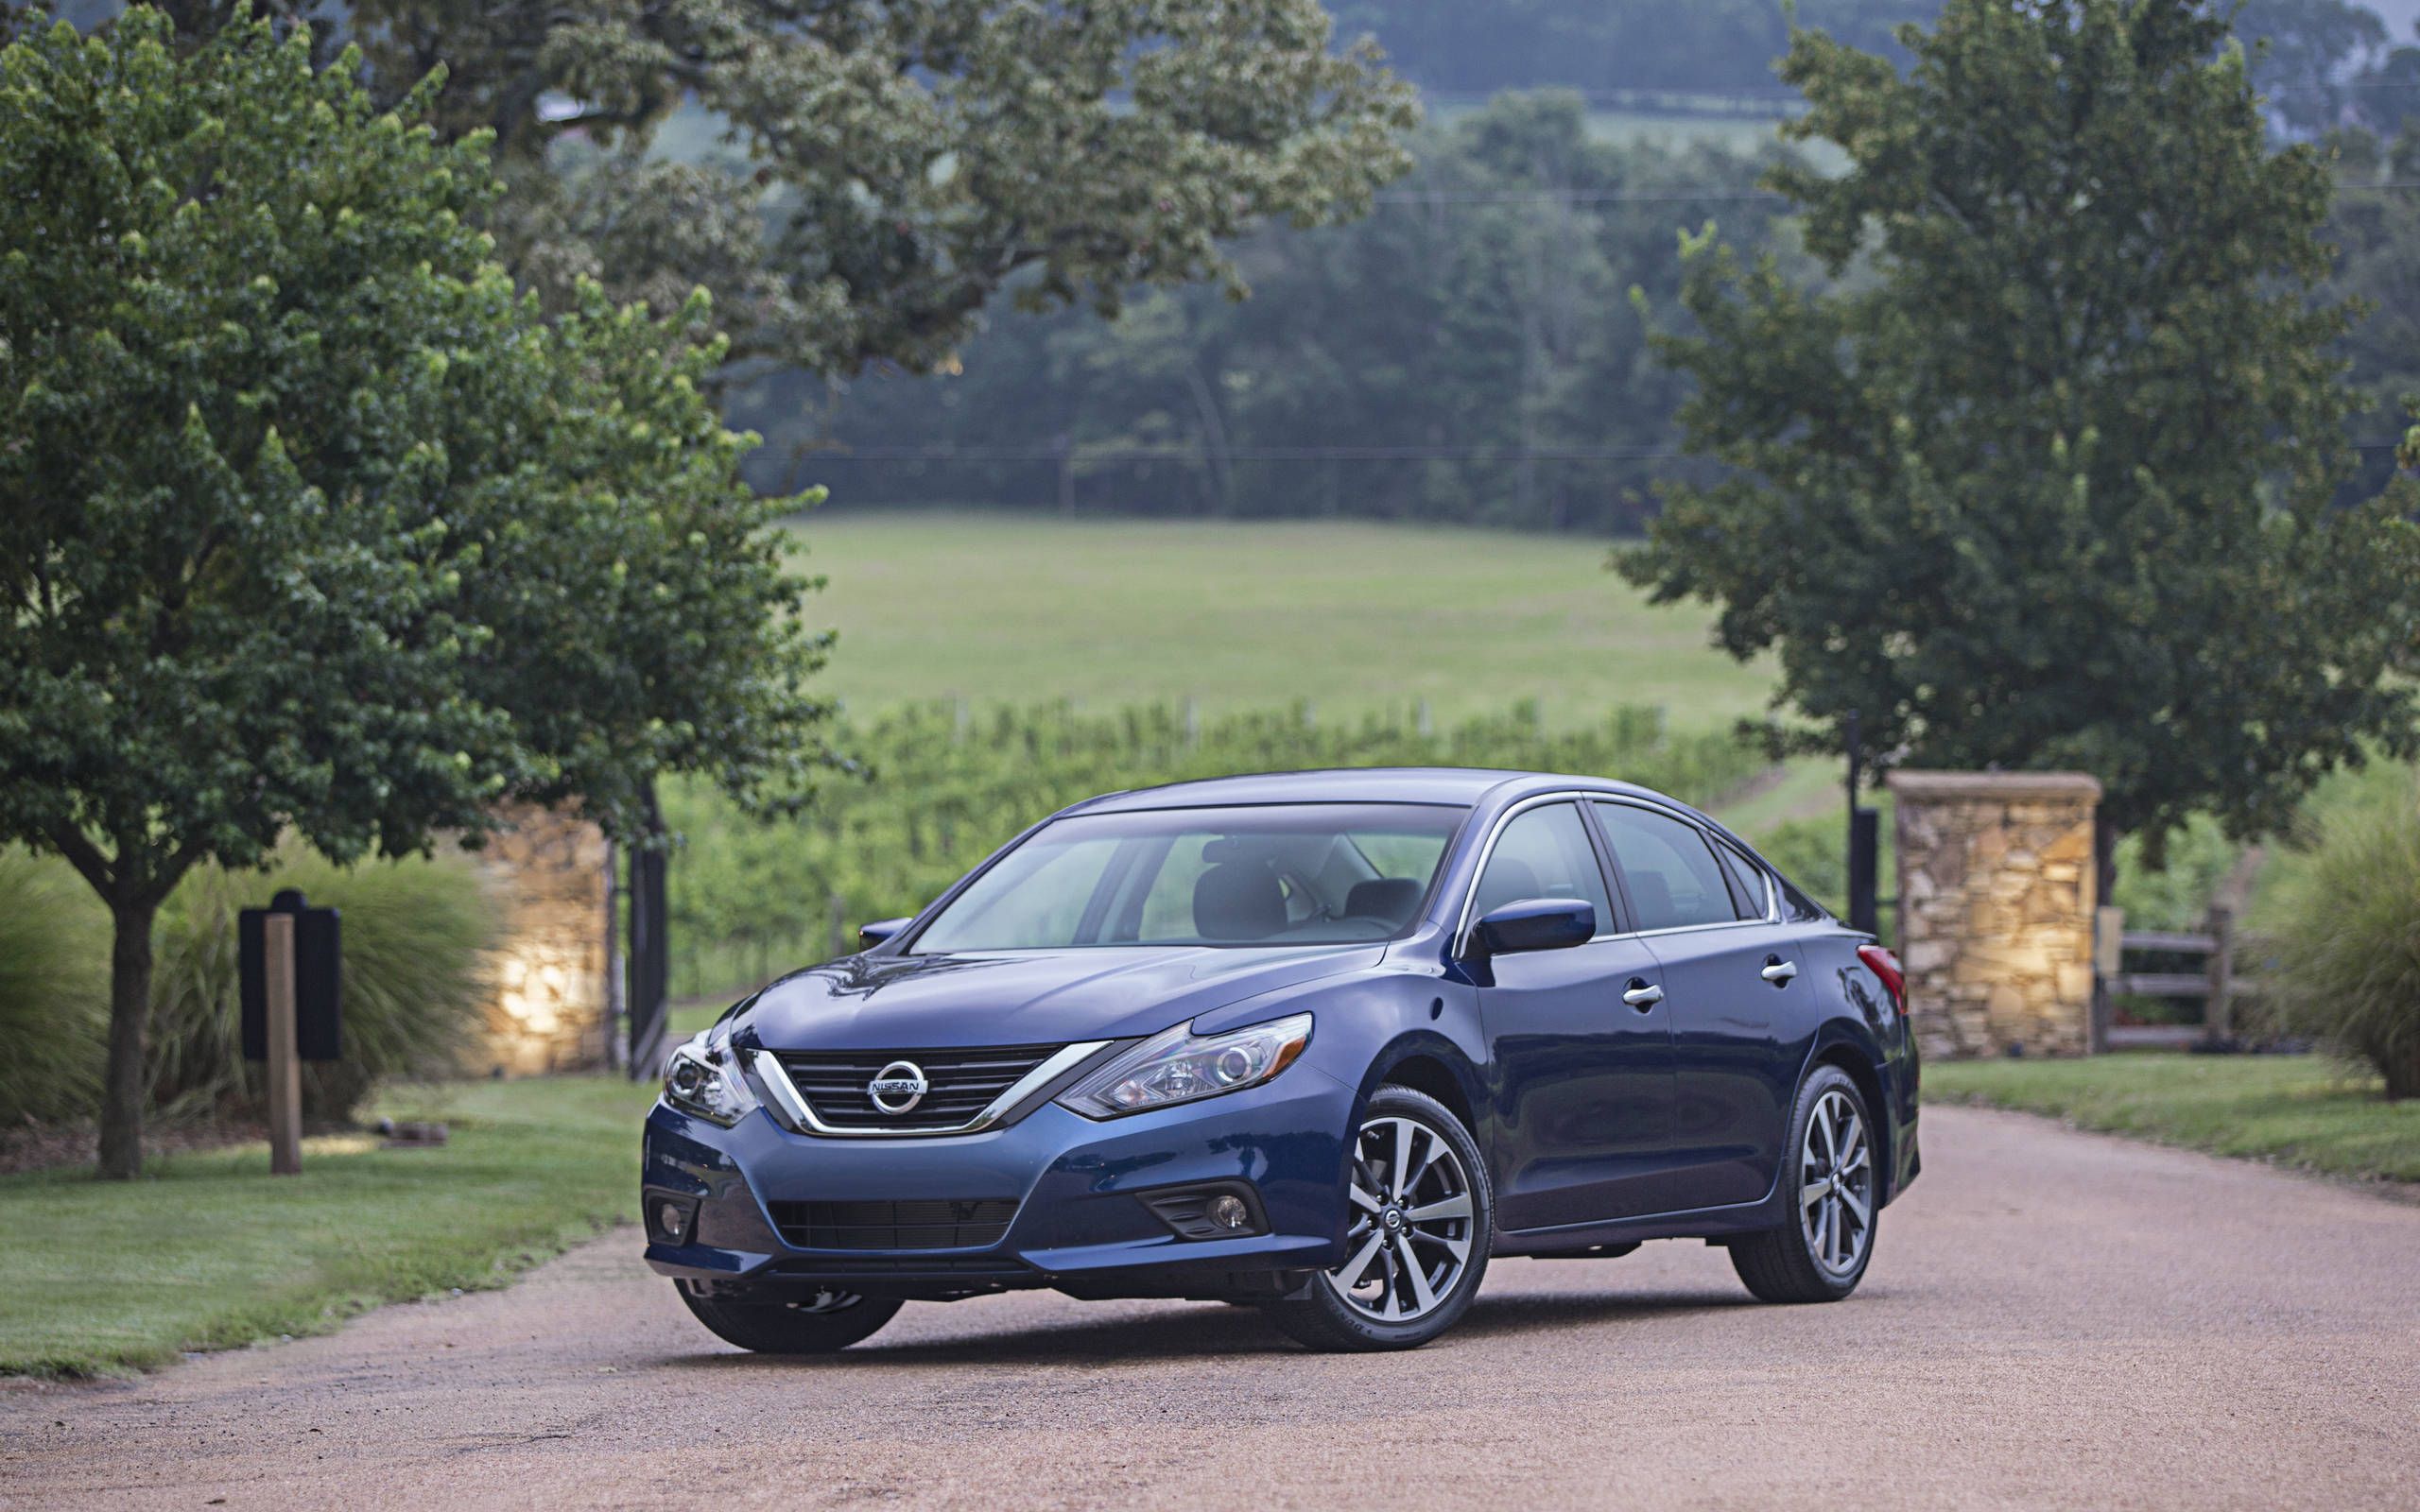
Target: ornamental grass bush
[[2341, 919], [54, 991], [417, 934], [416, 937]]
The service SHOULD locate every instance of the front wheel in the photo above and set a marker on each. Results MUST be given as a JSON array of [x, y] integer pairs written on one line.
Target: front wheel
[[1416, 1244], [1820, 1254], [814, 1324]]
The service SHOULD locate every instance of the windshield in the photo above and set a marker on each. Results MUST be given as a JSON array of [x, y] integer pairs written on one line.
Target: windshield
[[1277, 874]]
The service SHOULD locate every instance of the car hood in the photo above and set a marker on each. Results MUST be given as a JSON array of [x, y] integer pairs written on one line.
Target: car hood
[[1022, 997]]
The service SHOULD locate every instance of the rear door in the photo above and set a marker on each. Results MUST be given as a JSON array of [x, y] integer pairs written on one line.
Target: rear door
[[1730, 982], [1582, 1080]]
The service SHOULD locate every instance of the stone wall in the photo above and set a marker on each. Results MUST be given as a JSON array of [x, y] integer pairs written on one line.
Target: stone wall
[[1996, 909], [549, 876]]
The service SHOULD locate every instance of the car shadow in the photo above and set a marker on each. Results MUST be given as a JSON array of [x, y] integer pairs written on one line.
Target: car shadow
[[1214, 1330]]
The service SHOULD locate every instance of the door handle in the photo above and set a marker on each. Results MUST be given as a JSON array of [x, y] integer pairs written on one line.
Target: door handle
[[1778, 972], [1642, 994]]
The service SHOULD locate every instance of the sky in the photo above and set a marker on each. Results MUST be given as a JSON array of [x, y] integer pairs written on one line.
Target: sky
[[2399, 15]]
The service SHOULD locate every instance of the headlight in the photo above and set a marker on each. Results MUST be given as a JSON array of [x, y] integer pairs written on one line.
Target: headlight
[[1179, 1067], [702, 1078]]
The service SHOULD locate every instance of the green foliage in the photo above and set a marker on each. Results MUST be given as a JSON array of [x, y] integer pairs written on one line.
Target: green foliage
[[1481, 315], [944, 789], [213, 1252], [2343, 923], [416, 936], [309, 522], [2177, 894], [2376, 228], [2044, 478], [886, 168], [54, 992]]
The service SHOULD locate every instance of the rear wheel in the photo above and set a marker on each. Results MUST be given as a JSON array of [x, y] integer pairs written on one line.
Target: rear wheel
[[1416, 1244], [1820, 1254], [815, 1323]]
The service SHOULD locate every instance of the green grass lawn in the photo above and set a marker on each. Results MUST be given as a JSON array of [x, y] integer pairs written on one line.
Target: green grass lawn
[[211, 1252], [2305, 1111], [1237, 614]]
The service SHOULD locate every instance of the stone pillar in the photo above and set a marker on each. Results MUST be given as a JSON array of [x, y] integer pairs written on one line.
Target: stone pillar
[[1995, 910], [551, 877]]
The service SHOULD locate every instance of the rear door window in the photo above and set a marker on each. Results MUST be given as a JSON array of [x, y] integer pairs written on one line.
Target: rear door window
[[1674, 880]]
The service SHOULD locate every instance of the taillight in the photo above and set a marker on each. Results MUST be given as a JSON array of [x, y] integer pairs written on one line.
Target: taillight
[[1886, 965]]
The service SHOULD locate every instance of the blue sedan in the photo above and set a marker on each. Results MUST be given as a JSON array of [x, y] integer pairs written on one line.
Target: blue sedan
[[1320, 1042]]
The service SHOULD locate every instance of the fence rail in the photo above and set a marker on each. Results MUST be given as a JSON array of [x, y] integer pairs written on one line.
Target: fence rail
[[2215, 985]]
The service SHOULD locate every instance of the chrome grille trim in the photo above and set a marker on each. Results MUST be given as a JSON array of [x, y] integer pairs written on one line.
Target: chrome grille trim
[[799, 1115]]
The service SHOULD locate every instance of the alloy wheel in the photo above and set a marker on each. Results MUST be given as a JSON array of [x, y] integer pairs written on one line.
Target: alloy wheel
[[826, 1301], [1836, 1185], [1412, 1214]]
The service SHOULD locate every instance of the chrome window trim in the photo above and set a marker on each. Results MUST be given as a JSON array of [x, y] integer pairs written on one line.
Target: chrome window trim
[[1487, 853], [793, 1103]]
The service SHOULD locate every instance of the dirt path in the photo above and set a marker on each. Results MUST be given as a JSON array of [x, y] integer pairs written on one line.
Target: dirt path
[[2052, 1318]]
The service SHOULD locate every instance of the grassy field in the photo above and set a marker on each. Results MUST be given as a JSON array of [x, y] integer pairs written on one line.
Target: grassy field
[[2303, 1111], [1256, 615], [211, 1252]]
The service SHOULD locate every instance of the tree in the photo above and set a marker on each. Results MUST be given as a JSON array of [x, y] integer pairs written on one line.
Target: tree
[[2042, 479], [310, 523], [2309, 53], [870, 175], [1461, 326]]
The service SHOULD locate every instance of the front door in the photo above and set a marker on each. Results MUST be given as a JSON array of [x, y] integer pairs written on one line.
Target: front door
[[1582, 1080]]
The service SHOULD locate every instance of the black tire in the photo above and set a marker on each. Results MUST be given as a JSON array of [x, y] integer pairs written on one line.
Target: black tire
[[1784, 1265], [815, 1324], [1324, 1319]]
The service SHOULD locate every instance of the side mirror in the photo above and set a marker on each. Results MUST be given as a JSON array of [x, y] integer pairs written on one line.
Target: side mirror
[[1535, 924], [870, 935]]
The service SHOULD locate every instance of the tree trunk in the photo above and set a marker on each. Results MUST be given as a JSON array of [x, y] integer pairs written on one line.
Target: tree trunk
[[2402, 1073], [122, 1094]]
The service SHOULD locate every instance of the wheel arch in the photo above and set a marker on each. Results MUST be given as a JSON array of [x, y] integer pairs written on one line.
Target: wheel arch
[[1425, 1072], [1429, 1062], [1839, 1050]]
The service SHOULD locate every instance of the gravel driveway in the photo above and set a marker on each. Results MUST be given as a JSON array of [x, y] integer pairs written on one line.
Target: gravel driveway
[[2052, 1318]]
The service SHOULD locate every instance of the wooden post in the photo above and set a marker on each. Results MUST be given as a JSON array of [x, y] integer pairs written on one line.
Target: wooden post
[[2218, 1017], [284, 1066]]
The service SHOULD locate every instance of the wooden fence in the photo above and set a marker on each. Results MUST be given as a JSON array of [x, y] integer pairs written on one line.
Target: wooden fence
[[2217, 986]]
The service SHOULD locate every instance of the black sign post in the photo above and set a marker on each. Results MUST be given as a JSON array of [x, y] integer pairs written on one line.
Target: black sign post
[[290, 980]]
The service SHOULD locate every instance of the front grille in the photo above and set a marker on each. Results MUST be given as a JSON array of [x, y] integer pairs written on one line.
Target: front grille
[[963, 1083], [928, 1224]]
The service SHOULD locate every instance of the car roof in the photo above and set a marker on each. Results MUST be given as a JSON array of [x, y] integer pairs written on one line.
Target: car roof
[[1460, 786]]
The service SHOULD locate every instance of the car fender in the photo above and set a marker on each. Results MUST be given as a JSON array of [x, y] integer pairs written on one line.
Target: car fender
[[1843, 1032]]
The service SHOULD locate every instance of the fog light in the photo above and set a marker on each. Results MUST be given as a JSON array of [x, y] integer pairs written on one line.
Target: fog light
[[1228, 1211], [670, 1220]]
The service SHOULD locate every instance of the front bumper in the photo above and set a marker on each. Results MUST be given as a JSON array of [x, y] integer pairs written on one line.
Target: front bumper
[[1079, 1224]]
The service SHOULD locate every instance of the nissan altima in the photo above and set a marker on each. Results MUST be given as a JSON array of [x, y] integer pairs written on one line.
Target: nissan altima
[[1319, 1042]]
